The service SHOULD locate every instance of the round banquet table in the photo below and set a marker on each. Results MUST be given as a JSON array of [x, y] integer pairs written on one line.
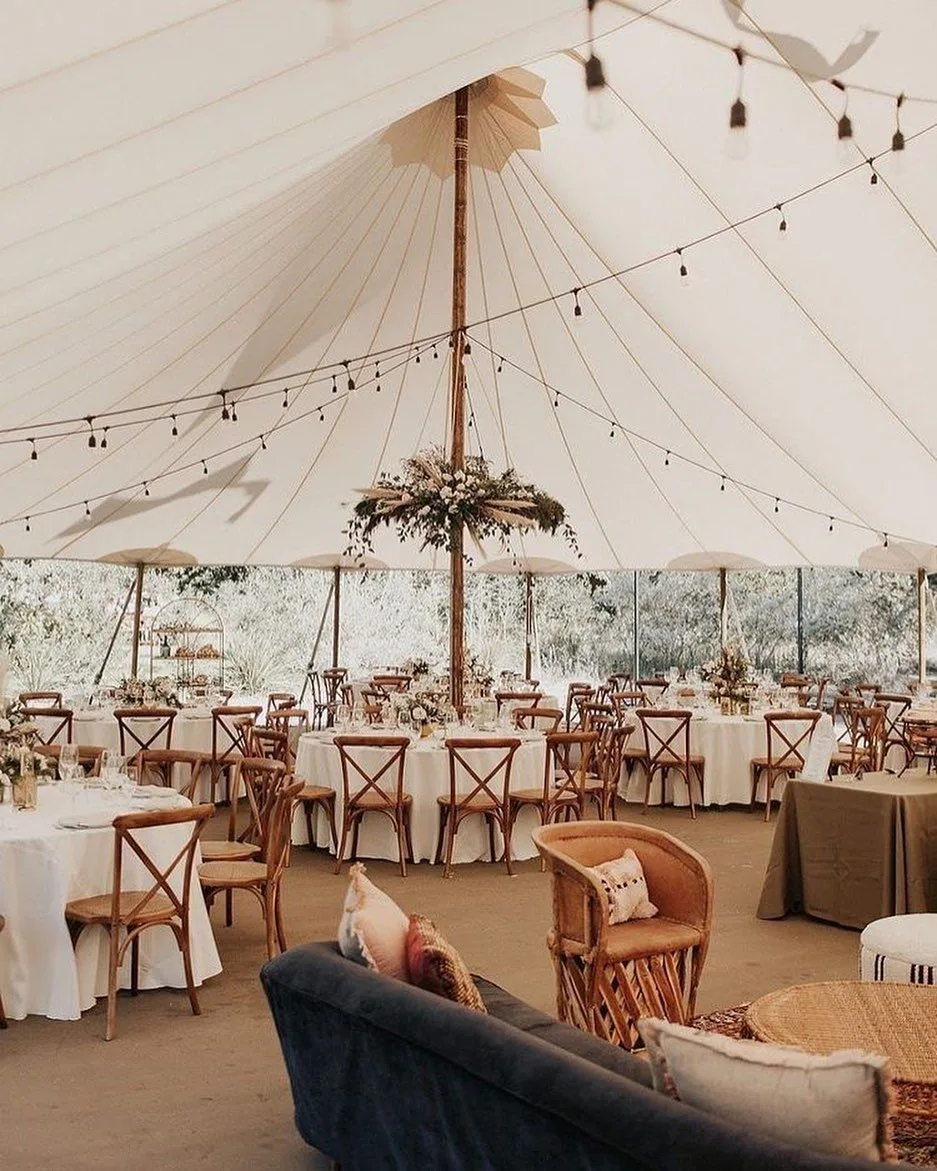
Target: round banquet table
[[191, 730], [728, 744], [43, 866], [426, 777]]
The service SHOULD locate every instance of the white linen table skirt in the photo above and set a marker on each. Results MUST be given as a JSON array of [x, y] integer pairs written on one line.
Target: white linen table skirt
[[728, 744], [42, 867], [189, 732], [426, 777]]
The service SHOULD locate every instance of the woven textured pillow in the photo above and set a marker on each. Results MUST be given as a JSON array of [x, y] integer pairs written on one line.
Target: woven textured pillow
[[623, 881], [834, 1105], [373, 930], [434, 964]]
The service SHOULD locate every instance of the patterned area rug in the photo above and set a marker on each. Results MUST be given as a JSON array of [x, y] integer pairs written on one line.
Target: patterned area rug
[[914, 1116]]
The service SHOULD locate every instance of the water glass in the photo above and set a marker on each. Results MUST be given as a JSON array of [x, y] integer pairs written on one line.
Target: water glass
[[342, 716]]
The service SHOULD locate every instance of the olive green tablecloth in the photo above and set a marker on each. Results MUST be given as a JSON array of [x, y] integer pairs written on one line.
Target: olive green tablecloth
[[853, 851]]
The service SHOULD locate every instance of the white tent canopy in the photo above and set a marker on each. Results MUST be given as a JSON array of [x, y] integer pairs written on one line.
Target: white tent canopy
[[195, 196]]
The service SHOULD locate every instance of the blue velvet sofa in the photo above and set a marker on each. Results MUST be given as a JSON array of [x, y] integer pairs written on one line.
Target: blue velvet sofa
[[388, 1077]]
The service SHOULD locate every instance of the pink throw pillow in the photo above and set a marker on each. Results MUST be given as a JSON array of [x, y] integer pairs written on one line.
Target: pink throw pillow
[[626, 887], [373, 930]]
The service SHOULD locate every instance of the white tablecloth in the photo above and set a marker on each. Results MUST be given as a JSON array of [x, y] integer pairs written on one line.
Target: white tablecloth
[[42, 867], [426, 777], [189, 732], [727, 744]]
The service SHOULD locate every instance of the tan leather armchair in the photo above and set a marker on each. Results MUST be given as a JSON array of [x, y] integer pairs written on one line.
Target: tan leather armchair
[[609, 976]]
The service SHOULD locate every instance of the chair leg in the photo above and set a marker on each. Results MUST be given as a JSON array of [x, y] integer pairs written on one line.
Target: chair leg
[[450, 842], [408, 829], [491, 836], [330, 814], [135, 965], [228, 907], [506, 830], [356, 826], [307, 809], [340, 852], [270, 922], [769, 786], [182, 939], [401, 843], [281, 930], [648, 778], [113, 966], [441, 835]]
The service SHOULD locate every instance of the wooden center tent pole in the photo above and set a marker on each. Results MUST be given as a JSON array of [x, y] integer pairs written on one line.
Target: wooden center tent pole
[[457, 392]]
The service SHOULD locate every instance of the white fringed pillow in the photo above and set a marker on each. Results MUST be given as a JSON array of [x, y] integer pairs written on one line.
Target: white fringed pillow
[[835, 1105], [373, 929], [624, 883]]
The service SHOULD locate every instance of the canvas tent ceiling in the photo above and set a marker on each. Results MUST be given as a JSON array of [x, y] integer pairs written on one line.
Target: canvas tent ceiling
[[195, 196]]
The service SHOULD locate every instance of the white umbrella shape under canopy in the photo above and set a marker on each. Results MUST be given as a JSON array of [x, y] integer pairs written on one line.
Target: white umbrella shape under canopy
[[907, 557], [707, 561]]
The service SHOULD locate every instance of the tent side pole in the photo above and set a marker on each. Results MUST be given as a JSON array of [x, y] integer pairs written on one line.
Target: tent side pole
[[636, 630], [528, 623], [336, 612], [801, 659], [922, 625], [137, 616], [723, 607], [457, 390], [310, 666], [110, 646]]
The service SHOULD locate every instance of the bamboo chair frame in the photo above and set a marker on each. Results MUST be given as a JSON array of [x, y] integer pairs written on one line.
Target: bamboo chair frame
[[136, 911], [609, 976]]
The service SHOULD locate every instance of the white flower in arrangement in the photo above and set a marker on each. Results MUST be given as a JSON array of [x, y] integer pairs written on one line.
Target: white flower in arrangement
[[5, 725], [419, 713]]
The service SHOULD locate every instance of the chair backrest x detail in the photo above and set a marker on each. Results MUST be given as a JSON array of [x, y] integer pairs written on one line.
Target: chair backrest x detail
[[471, 772], [144, 727], [375, 765]]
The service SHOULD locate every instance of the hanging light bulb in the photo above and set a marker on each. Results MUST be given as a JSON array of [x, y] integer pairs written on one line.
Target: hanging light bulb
[[351, 382], [844, 138], [224, 407], [175, 429], [234, 412], [777, 504], [782, 226], [897, 139], [204, 468], [684, 271], [599, 109], [92, 440], [146, 488], [104, 439], [873, 178], [34, 454], [286, 398], [577, 308], [263, 443], [87, 509], [435, 351], [28, 529], [667, 460], [500, 364], [737, 140]]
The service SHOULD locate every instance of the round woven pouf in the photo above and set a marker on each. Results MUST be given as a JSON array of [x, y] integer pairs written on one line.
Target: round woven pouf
[[901, 948], [897, 1020]]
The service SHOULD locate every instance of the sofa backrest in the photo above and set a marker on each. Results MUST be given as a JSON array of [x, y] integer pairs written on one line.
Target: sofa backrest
[[387, 1076]]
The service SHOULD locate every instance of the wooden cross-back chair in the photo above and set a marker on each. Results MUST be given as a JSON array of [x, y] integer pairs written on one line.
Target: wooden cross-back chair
[[788, 736], [261, 876], [566, 772], [608, 976], [389, 683], [537, 719], [652, 688], [593, 711], [843, 707], [332, 680], [921, 736], [270, 744], [867, 692], [572, 709], [866, 742], [526, 698], [140, 728], [43, 699], [610, 751], [627, 701], [160, 764], [373, 782], [667, 750], [52, 724], [476, 789], [292, 721], [619, 681], [126, 914], [279, 699], [895, 707], [231, 729], [89, 756]]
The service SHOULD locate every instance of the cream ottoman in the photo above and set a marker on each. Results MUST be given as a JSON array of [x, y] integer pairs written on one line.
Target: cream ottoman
[[901, 949]]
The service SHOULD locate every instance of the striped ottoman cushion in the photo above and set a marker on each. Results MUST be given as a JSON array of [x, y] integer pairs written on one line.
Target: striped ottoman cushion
[[901, 949]]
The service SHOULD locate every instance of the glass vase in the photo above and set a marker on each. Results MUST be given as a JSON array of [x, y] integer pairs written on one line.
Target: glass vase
[[25, 791]]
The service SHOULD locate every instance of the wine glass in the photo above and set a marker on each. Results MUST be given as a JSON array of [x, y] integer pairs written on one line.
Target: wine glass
[[342, 716], [68, 762]]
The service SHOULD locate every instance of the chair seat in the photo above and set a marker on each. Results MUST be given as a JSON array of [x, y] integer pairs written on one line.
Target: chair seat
[[232, 873], [535, 796], [97, 908], [647, 937], [478, 802], [229, 851], [793, 767], [316, 793], [634, 753], [694, 759], [372, 800]]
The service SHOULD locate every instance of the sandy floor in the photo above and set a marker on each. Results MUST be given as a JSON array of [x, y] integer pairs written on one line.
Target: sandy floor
[[173, 1090]]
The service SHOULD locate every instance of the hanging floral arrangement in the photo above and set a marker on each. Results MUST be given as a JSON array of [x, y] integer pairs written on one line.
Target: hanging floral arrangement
[[430, 497]]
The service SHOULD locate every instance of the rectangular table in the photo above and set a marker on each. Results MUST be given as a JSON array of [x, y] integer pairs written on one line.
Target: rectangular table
[[854, 850]]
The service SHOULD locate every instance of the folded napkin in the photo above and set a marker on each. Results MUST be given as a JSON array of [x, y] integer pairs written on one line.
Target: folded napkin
[[87, 821], [159, 791]]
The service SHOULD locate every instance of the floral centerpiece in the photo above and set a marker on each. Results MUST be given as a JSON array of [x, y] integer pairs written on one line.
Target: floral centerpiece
[[416, 668], [478, 676], [20, 764], [728, 676], [422, 708], [431, 496], [158, 692]]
